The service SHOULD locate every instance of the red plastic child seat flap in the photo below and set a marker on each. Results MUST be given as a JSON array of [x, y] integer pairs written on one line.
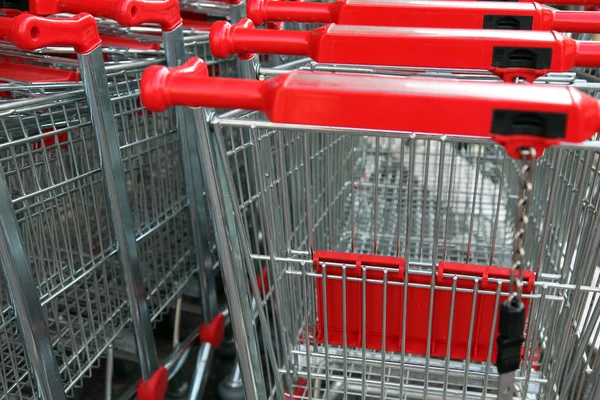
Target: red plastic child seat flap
[[119, 41], [418, 304], [15, 69]]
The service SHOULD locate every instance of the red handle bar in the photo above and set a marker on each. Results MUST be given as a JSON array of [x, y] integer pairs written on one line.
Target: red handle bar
[[30, 32], [508, 54], [427, 14], [125, 12], [557, 2], [516, 116]]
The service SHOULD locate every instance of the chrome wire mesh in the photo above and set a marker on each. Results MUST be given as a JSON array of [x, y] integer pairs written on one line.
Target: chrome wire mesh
[[49, 158], [15, 380], [151, 159]]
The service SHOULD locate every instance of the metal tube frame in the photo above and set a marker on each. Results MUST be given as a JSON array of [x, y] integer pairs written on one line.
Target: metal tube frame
[[96, 88]]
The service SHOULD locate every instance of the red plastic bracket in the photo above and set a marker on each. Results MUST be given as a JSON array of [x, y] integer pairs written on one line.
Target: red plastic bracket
[[417, 318], [154, 388], [197, 24], [213, 332], [17, 71], [121, 41]]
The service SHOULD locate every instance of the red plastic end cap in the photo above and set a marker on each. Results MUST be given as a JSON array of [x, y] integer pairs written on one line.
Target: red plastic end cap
[[515, 143], [30, 32], [214, 332], [154, 388], [221, 37], [136, 12], [256, 10], [155, 85]]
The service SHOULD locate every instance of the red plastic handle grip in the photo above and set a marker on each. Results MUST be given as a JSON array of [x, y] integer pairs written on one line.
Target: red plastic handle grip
[[126, 12], [427, 14], [576, 21], [30, 32], [509, 54], [262, 11], [514, 115], [225, 40], [167, 87]]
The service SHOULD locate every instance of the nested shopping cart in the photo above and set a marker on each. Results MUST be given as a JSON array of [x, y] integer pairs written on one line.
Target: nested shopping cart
[[82, 249], [62, 247], [388, 249]]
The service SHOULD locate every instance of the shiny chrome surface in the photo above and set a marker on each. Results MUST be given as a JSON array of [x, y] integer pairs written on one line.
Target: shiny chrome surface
[[103, 123], [231, 255], [27, 311]]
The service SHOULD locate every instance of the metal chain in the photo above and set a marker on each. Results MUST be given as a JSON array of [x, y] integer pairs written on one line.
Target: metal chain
[[528, 157]]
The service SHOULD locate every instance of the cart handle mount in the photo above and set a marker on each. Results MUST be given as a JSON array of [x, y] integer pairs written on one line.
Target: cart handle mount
[[30, 32], [515, 116]]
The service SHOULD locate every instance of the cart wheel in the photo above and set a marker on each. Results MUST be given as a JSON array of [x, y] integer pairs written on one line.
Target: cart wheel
[[227, 392]]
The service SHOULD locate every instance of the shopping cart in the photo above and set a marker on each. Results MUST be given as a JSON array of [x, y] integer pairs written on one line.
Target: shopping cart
[[431, 14], [56, 154], [60, 260], [155, 186], [372, 234]]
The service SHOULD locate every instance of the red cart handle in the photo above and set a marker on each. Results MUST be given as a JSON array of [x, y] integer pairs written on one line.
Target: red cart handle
[[508, 54], [516, 116], [30, 32], [558, 2], [126, 12], [427, 14]]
